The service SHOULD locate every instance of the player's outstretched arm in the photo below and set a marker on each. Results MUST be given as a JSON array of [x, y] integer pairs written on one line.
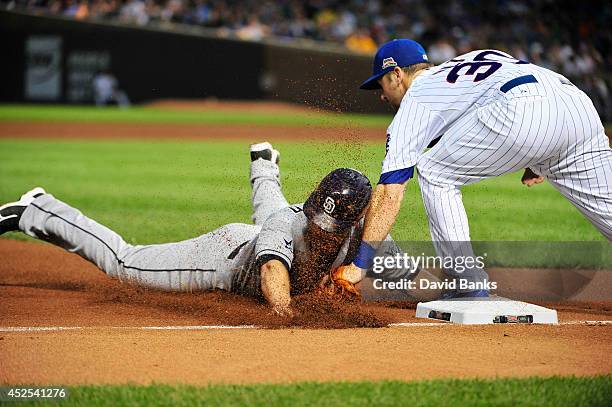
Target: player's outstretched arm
[[385, 204], [276, 287]]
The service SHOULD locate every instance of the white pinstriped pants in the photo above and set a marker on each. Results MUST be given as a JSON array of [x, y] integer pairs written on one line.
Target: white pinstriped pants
[[556, 132]]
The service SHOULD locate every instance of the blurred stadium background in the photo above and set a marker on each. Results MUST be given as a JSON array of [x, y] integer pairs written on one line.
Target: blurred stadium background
[[314, 51], [148, 173]]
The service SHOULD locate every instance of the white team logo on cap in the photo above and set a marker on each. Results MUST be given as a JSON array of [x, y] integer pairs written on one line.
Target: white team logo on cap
[[425, 57], [329, 205], [388, 62]]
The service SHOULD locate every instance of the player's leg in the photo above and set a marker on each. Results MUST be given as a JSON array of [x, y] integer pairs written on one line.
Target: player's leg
[[267, 196], [198, 264], [122, 99], [195, 264], [486, 142], [49, 219], [582, 171], [590, 192], [448, 226], [448, 222]]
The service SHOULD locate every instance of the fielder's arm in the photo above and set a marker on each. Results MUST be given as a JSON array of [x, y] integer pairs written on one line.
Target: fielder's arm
[[385, 204], [276, 287]]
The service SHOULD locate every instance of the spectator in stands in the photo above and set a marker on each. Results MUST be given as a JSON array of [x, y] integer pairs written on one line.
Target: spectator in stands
[[253, 31], [441, 51], [569, 37], [134, 12], [174, 11], [361, 42]]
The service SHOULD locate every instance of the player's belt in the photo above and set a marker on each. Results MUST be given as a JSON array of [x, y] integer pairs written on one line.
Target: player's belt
[[235, 252], [521, 80]]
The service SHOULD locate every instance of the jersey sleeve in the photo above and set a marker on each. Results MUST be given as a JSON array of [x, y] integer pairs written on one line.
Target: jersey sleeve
[[275, 240], [412, 129]]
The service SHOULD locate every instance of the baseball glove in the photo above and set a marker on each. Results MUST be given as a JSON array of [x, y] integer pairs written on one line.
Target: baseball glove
[[337, 277]]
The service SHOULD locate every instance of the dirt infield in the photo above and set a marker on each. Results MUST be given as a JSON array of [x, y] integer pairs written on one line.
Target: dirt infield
[[43, 286], [256, 106], [122, 131], [64, 322]]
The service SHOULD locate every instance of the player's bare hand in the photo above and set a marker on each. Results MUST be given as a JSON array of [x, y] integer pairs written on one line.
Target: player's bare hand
[[530, 178], [282, 311]]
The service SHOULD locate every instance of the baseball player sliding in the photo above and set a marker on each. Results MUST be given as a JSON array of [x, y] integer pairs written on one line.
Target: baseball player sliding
[[483, 114], [287, 251]]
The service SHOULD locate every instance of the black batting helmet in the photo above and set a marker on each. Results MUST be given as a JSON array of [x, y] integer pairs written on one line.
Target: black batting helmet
[[339, 200]]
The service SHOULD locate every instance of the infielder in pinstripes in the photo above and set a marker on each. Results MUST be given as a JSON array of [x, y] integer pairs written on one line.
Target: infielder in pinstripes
[[287, 251], [483, 114]]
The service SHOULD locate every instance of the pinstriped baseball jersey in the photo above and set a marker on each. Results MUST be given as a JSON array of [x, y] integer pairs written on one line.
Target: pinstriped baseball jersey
[[441, 95], [486, 114]]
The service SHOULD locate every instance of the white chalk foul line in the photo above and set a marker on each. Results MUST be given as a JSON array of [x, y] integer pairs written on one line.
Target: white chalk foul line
[[412, 324], [606, 322], [213, 327], [143, 328], [194, 327], [40, 328]]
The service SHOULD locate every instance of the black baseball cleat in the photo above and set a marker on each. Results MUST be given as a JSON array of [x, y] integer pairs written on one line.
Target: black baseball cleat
[[10, 213], [264, 151]]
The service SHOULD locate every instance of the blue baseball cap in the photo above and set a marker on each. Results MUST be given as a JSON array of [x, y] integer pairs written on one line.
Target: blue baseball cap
[[400, 53]]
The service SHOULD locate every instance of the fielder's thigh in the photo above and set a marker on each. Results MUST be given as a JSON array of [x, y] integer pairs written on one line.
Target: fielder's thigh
[[501, 137], [585, 179], [581, 169]]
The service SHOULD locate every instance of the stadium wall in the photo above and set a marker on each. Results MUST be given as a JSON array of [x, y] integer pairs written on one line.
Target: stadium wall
[[53, 60]]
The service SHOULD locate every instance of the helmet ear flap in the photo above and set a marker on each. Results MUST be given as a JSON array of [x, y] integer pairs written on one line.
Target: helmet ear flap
[[339, 200]]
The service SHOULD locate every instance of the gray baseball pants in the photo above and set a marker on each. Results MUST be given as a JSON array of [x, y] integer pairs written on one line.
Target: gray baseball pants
[[192, 265]]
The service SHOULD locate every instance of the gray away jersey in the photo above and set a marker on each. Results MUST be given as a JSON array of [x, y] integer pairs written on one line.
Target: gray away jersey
[[282, 238]]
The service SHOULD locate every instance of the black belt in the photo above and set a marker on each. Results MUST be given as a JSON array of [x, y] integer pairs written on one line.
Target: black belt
[[235, 252], [521, 80]]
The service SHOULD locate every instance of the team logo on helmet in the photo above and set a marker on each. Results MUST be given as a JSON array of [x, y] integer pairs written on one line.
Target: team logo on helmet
[[329, 205], [388, 62]]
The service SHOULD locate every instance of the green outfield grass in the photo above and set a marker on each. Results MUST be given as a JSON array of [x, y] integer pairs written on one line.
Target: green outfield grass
[[536, 392], [137, 114], [161, 191], [167, 191]]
